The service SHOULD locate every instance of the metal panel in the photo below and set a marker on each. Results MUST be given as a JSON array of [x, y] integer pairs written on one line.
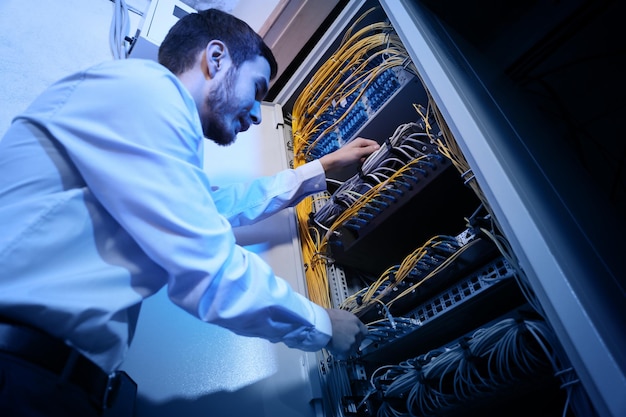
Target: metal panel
[[558, 226], [334, 32]]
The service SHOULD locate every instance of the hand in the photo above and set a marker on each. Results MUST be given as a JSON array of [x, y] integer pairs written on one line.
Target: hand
[[348, 333], [352, 152]]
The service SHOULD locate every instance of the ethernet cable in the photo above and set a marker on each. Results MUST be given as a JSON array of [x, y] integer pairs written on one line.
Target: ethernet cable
[[119, 29], [492, 358]]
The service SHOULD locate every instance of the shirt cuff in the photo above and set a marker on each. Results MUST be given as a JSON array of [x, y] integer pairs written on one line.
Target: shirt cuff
[[323, 328], [313, 177]]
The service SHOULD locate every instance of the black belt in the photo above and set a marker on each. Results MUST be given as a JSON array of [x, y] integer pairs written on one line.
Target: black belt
[[54, 355]]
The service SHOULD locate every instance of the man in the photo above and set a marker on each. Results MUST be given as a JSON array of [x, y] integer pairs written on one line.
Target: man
[[103, 201]]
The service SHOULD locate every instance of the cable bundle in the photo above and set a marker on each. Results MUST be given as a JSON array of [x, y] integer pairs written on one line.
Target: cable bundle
[[342, 94], [491, 360], [397, 324], [404, 160], [415, 269], [118, 31], [353, 83], [313, 249]]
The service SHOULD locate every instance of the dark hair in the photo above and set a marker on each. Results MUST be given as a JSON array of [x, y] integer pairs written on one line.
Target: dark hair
[[191, 34]]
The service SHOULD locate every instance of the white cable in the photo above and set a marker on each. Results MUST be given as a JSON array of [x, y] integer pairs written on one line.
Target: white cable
[[508, 358], [120, 26]]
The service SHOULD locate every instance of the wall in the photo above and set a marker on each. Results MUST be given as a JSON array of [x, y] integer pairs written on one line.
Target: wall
[[43, 40]]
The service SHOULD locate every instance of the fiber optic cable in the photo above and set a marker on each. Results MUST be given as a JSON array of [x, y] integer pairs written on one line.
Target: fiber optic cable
[[448, 261], [362, 56], [449, 147], [393, 276], [349, 72]]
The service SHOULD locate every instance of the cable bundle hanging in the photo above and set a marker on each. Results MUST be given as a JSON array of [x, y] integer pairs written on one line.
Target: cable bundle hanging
[[340, 97], [347, 89], [508, 353], [120, 25], [313, 250]]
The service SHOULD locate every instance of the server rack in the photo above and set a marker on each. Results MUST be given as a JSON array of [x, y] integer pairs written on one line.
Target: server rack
[[556, 222]]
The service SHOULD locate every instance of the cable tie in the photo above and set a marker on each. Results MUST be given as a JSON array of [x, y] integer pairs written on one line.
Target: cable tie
[[467, 352], [563, 371], [521, 325], [464, 175], [468, 180], [422, 380]]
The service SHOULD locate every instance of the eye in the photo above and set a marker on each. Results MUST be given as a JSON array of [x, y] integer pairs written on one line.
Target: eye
[[260, 89], [258, 95]]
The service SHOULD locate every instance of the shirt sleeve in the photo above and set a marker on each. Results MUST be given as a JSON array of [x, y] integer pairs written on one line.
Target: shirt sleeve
[[243, 204], [139, 154]]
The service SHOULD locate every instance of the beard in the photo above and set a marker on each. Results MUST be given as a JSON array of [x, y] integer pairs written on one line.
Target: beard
[[216, 126]]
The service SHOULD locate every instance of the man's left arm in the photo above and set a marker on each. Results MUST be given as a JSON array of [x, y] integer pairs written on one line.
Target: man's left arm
[[244, 204]]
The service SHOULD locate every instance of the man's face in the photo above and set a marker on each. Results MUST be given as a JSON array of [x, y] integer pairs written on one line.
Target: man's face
[[235, 103]]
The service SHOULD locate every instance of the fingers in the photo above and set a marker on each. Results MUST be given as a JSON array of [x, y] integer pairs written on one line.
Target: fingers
[[365, 145], [348, 333], [362, 142], [353, 152], [361, 148]]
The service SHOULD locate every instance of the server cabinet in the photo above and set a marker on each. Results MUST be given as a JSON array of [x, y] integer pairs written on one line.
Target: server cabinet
[[508, 83]]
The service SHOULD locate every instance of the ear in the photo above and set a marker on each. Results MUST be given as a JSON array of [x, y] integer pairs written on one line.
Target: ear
[[216, 56]]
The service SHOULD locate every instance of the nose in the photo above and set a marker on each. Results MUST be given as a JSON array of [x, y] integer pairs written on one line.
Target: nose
[[255, 113]]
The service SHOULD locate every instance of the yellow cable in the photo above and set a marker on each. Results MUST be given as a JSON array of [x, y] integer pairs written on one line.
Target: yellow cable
[[343, 74]]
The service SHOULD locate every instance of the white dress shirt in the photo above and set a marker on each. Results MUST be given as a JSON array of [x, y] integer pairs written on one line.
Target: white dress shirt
[[104, 200]]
